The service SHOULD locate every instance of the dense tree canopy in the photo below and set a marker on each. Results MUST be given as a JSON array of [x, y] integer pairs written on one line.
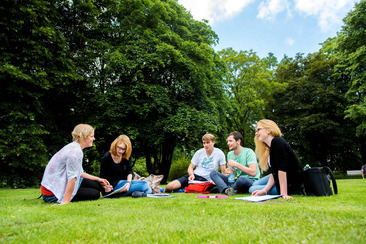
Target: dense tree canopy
[[351, 56], [249, 85], [310, 112], [143, 68], [147, 69]]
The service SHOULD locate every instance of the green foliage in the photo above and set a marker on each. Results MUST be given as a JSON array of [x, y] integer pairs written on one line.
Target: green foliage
[[179, 168], [350, 46], [140, 167], [249, 85], [24, 219], [310, 112]]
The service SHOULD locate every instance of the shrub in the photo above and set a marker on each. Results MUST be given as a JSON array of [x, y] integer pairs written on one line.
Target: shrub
[[140, 167], [178, 168]]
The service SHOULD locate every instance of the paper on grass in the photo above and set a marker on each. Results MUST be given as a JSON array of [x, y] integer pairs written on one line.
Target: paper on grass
[[259, 198], [116, 191], [159, 195]]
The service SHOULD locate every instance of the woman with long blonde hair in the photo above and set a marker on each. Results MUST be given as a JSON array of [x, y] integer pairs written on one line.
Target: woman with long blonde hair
[[275, 154]]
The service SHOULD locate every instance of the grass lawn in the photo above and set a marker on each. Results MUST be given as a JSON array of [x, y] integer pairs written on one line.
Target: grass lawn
[[186, 219]]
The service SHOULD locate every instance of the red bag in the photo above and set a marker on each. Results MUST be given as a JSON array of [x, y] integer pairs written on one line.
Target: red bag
[[203, 187]]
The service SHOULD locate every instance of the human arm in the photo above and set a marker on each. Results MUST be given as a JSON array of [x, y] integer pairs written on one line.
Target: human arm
[[282, 178], [101, 181], [223, 168], [268, 187], [190, 171], [129, 179], [68, 191], [250, 170]]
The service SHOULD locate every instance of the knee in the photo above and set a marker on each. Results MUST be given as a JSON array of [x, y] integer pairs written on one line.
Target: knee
[[213, 174]]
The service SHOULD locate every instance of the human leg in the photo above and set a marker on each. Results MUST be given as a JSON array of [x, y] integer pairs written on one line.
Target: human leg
[[137, 185], [242, 184], [177, 184], [220, 180], [260, 184], [88, 190]]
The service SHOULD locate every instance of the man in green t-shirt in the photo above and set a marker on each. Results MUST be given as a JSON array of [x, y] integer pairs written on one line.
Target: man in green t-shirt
[[244, 163]]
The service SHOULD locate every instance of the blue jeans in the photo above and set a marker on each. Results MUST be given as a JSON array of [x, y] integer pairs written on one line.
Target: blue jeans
[[260, 184], [136, 185], [242, 184]]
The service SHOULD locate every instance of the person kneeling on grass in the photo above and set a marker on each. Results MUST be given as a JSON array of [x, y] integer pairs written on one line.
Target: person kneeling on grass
[[64, 179], [275, 153], [243, 162], [206, 160], [116, 167]]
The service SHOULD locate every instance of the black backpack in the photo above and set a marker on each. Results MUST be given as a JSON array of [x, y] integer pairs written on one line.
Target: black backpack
[[317, 181]]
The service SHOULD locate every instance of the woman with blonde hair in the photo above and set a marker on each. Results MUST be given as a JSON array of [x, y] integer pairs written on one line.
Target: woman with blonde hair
[[64, 179], [116, 167], [274, 153]]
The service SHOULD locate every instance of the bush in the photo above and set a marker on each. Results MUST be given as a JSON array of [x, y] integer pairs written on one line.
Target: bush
[[178, 168], [140, 167]]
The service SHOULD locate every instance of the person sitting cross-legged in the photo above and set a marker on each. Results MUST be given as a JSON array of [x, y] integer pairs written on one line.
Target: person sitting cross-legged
[[205, 160]]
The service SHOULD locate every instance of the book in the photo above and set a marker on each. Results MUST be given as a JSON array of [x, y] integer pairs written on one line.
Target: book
[[259, 198], [158, 195], [116, 191]]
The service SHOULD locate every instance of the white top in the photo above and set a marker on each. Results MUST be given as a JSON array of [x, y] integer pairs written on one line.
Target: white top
[[205, 165], [64, 166]]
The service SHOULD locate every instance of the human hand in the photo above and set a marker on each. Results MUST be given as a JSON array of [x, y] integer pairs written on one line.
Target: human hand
[[191, 177], [228, 171], [259, 193], [286, 197], [231, 163], [103, 182], [108, 188], [127, 187]]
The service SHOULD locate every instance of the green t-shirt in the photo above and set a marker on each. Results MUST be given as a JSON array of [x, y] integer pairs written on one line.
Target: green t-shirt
[[246, 157]]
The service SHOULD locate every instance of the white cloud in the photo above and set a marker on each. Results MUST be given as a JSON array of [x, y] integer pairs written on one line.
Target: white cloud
[[290, 41], [269, 8], [328, 12], [214, 10]]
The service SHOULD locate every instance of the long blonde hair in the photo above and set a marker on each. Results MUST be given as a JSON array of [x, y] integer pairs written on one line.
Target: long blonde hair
[[261, 148]]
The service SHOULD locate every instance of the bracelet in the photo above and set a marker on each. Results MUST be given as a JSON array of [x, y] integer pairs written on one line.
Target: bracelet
[[129, 182]]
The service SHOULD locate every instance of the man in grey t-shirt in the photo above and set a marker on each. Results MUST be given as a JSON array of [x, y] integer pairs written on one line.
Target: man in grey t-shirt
[[204, 161]]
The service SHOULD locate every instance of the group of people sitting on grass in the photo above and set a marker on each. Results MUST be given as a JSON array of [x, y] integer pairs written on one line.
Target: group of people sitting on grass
[[65, 181]]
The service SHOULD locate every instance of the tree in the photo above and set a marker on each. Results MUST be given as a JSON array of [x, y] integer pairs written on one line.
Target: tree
[[310, 111], [32, 59], [161, 82], [249, 86], [351, 57]]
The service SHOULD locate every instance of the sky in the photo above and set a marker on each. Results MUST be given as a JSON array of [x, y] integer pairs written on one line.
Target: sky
[[282, 27]]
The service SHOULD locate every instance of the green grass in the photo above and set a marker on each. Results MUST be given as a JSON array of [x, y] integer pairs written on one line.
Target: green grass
[[186, 219]]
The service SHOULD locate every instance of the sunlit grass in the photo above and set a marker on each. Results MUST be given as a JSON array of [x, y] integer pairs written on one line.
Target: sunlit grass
[[186, 219]]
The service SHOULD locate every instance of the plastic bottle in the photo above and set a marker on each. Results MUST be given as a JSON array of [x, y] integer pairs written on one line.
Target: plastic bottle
[[231, 177]]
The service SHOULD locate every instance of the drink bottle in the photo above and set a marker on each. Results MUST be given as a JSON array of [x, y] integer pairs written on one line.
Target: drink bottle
[[231, 177]]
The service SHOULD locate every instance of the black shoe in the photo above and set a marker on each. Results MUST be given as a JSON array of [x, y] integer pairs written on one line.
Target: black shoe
[[137, 194], [215, 190]]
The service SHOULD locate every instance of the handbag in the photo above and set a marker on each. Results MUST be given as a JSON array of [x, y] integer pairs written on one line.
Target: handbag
[[317, 181], [202, 187]]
